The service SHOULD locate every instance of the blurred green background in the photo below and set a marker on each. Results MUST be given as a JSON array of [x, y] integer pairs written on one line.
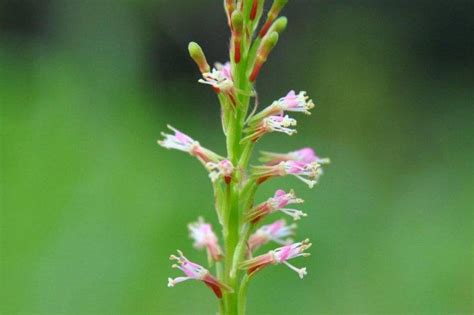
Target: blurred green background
[[91, 207]]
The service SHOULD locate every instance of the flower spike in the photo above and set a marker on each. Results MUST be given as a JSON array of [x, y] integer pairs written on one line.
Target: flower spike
[[194, 271], [204, 237], [182, 142], [277, 232], [277, 203], [235, 183], [280, 255]]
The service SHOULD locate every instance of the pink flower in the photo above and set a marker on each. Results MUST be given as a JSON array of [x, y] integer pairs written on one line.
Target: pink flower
[[280, 124], [277, 203], [277, 232], [178, 141], [196, 272], [182, 142], [304, 155], [220, 78], [308, 173], [278, 256], [293, 102], [226, 70], [271, 124], [222, 169], [204, 237]]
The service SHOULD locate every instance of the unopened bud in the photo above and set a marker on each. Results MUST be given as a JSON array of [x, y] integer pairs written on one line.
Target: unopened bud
[[237, 21], [253, 12], [280, 25], [237, 26], [229, 9], [229, 5], [275, 10], [269, 42], [195, 51], [277, 6]]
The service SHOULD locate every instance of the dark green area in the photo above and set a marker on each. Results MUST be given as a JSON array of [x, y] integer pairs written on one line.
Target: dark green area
[[91, 207]]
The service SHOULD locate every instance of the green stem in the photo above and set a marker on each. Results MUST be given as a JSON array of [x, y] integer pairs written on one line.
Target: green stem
[[235, 196], [231, 238], [240, 249], [249, 191], [220, 276], [233, 139], [246, 154], [243, 294], [225, 233], [218, 202]]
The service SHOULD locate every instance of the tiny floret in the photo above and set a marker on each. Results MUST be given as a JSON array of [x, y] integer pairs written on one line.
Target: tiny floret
[[293, 102], [304, 155], [277, 203], [280, 255], [277, 232], [271, 124], [222, 169], [182, 142], [204, 237], [191, 270], [280, 124], [194, 271], [308, 173], [179, 141], [220, 78]]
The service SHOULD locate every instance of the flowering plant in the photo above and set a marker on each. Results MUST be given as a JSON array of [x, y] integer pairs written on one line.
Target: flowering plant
[[233, 181]]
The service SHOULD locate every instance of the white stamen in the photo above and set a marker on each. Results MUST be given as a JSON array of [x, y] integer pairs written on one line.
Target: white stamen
[[308, 182], [275, 123], [300, 271], [173, 282], [303, 103], [294, 213], [217, 79]]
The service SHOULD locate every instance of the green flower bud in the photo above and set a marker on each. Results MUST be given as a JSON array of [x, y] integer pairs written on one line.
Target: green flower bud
[[269, 42], [279, 25], [275, 10], [237, 21], [195, 51]]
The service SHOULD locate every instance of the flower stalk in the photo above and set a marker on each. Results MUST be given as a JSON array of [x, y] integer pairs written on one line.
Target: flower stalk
[[236, 256]]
